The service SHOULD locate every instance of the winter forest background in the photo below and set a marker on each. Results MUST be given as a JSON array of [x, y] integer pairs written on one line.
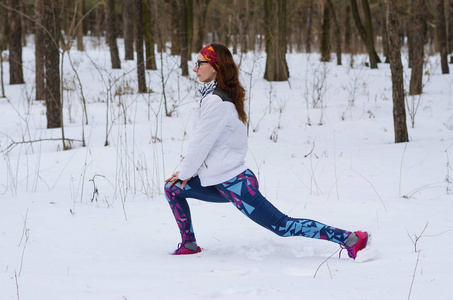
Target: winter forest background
[[350, 123]]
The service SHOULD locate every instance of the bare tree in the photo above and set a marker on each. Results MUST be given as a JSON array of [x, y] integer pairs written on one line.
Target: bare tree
[[399, 110], [365, 30], [148, 25], [111, 34], [15, 42], [39, 51], [450, 29], [337, 31], [139, 46], [309, 25], [3, 44], [52, 63], [325, 33], [80, 7], [418, 40], [199, 20], [128, 29], [275, 34], [442, 36]]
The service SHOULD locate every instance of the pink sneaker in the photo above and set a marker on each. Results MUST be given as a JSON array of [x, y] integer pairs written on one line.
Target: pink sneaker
[[361, 244], [183, 250]]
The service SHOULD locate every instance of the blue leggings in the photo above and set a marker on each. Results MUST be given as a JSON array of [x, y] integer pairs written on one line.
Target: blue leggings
[[243, 192]]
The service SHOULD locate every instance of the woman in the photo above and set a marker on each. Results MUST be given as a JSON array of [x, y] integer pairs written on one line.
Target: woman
[[214, 167]]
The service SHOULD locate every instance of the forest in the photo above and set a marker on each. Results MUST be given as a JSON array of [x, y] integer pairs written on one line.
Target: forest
[[182, 27], [350, 121]]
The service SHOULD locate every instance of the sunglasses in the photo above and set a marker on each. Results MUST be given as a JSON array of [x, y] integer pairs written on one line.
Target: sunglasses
[[199, 62]]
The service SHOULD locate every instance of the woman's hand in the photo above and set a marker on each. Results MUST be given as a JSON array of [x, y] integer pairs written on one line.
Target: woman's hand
[[174, 178]]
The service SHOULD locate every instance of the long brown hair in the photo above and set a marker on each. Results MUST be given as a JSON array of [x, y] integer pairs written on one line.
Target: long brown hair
[[228, 79]]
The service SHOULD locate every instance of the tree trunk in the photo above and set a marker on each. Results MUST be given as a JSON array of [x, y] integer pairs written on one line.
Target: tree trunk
[[442, 36], [80, 7], [3, 44], [396, 67], [347, 30], [52, 64], [365, 31], [384, 32], [450, 29], [418, 40], [276, 66], [200, 28], [325, 34], [15, 43], [337, 31], [182, 35], [148, 35], [128, 29], [189, 28], [139, 46], [111, 34], [309, 25], [40, 90]]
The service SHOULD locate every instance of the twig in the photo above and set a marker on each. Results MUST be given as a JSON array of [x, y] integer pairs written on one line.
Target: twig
[[314, 276], [383, 204], [401, 169], [17, 285], [14, 144]]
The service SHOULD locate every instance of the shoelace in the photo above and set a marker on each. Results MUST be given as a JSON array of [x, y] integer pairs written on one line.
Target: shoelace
[[349, 249], [180, 247]]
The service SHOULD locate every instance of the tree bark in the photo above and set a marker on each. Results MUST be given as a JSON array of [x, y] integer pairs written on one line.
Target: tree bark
[[128, 29], [182, 35], [384, 32], [148, 36], [189, 28], [52, 64], [200, 18], [365, 31], [418, 41], [275, 34], [337, 31], [80, 8], [111, 34], [309, 25], [3, 44], [396, 67], [40, 90], [347, 30], [15, 43], [325, 35], [139, 46], [442, 36], [450, 29]]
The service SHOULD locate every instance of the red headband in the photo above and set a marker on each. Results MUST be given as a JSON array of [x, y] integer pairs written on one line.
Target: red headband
[[210, 55]]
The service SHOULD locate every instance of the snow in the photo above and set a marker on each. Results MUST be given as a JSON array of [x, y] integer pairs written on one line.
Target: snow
[[61, 240]]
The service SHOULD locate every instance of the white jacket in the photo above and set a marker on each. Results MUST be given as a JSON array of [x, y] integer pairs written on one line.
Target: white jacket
[[218, 146]]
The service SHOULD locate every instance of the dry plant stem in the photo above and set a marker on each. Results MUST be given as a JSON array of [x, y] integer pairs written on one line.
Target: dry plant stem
[[401, 169], [14, 144], [17, 285], [413, 275], [383, 204], [417, 238], [314, 276]]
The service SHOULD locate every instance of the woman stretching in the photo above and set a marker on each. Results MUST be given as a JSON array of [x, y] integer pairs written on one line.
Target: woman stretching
[[214, 168]]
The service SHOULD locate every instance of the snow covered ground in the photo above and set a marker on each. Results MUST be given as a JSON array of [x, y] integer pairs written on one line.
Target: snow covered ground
[[92, 222]]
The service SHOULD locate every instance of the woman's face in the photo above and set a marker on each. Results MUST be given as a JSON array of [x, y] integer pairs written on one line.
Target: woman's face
[[206, 72]]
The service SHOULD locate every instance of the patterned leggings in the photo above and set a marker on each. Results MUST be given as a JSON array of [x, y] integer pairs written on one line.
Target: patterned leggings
[[243, 192]]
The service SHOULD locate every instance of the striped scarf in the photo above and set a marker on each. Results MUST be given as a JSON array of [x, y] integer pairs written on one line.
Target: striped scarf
[[206, 89]]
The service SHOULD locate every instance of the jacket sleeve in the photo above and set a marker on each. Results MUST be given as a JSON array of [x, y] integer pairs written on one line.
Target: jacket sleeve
[[213, 120]]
